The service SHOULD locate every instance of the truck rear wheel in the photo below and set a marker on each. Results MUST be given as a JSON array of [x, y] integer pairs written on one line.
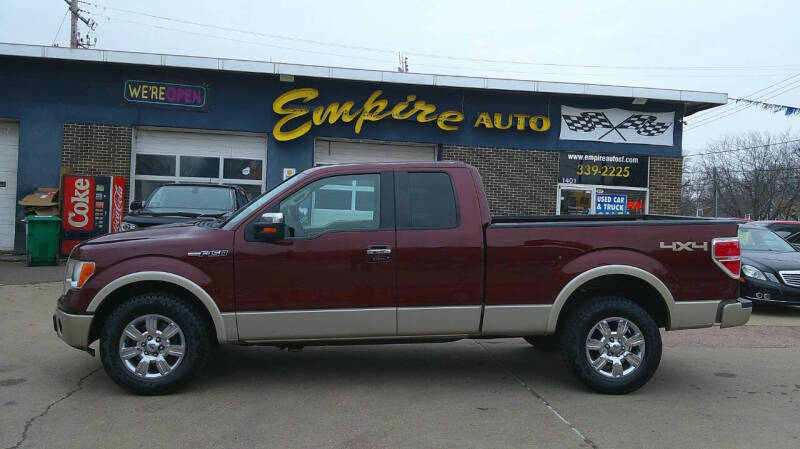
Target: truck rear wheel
[[154, 343], [612, 344]]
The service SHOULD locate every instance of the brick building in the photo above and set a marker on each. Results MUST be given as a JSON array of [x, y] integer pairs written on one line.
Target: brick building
[[541, 147]]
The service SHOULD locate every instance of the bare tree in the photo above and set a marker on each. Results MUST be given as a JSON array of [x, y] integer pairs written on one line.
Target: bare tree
[[753, 174]]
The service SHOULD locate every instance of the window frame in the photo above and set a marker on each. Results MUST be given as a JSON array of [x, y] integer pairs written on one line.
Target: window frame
[[403, 201], [593, 203], [386, 216], [176, 177]]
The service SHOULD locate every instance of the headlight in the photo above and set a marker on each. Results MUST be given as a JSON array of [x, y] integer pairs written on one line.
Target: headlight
[[126, 226], [77, 273], [753, 272]]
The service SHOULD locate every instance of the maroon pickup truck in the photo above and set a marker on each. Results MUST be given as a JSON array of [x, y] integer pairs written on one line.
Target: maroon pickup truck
[[387, 253]]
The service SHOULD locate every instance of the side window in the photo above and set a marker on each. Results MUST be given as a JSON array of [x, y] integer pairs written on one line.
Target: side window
[[432, 201], [338, 203]]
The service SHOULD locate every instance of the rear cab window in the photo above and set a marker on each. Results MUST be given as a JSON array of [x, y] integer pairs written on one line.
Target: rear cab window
[[426, 200]]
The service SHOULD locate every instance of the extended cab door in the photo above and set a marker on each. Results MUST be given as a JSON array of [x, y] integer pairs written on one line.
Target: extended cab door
[[333, 276], [439, 253]]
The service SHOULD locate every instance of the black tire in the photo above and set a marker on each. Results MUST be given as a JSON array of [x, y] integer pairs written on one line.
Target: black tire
[[582, 320], [196, 340], [545, 342], [28, 261]]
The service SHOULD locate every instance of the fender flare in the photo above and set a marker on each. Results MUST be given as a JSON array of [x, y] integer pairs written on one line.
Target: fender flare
[[205, 298], [608, 270]]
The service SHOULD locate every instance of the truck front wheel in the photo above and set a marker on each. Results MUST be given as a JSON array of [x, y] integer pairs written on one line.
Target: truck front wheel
[[154, 343], [612, 344]]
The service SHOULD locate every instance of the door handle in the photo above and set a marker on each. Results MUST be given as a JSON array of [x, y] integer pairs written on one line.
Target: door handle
[[379, 254]]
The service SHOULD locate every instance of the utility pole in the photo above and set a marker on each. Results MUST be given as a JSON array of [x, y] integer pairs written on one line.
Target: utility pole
[[75, 39], [73, 29], [716, 209], [403, 67]]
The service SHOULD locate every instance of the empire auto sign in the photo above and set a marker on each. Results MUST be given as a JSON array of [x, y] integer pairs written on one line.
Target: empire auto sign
[[297, 120]]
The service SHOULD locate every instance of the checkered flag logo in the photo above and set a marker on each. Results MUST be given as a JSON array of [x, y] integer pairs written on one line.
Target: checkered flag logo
[[645, 125], [587, 121]]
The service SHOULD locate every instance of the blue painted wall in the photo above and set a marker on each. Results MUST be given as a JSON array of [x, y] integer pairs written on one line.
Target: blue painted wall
[[43, 94]]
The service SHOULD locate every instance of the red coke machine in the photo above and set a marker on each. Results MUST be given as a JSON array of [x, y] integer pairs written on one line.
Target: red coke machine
[[90, 206]]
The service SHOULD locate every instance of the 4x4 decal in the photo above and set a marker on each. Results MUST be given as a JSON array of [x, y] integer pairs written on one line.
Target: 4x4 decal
[[685, 246]]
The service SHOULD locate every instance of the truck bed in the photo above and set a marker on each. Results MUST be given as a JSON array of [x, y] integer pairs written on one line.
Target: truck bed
[[532, 258], [605, 220]]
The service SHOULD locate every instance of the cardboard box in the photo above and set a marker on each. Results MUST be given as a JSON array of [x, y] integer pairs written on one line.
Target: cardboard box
[[42, 197]]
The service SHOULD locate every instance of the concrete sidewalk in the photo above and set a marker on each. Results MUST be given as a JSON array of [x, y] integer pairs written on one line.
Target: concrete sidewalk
[[713, 384]]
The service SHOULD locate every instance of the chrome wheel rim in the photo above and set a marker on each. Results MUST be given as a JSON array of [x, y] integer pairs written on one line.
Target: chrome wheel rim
[[615, 347], [152, 346]]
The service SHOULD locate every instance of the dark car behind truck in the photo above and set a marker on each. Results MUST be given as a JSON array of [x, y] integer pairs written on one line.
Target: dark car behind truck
[[770, 267], [397, 253], [181, 202]]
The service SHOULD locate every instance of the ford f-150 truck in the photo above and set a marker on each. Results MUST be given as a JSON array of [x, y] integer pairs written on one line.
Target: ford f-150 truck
[[388, 253]]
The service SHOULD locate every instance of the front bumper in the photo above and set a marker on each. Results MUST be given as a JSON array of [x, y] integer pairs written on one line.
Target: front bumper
[[73, 329], [734, 313], [769, 292]]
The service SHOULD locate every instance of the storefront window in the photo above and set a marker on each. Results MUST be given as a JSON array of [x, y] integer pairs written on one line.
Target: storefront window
[[199, 167], [242, 169], [601, 200], [153, 170], [575, 201], [155, 164], [633, 200]]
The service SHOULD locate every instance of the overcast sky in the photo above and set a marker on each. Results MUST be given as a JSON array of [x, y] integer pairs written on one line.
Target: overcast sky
[[734, 47]]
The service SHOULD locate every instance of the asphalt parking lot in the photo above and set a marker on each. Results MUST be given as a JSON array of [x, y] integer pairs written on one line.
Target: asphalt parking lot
[[715, 388]]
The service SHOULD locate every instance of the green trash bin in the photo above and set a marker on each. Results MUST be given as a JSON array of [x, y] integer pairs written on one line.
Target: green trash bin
[[42, 240]]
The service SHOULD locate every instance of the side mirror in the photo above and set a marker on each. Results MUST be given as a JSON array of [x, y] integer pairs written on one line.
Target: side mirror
[[269, 227], [136, 205]]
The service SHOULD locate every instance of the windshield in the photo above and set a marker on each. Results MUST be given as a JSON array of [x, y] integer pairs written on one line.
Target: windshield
[[261, 200], [191, 199], [762, 240]]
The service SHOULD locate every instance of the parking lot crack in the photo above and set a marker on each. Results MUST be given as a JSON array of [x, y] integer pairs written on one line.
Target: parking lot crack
[[46, 410], [544, 401]]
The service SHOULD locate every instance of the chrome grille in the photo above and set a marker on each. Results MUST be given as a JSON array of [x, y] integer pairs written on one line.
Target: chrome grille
[[790, 278]]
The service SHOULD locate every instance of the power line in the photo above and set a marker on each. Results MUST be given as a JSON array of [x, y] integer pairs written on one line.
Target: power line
[[774, 93], [63, 19], [741, 149], [528, 72], [708, 119], [718, 112], [715, 111], [749, 170], [237, 30], [625, 67], [263, 44], [376, 59], [448, 57]]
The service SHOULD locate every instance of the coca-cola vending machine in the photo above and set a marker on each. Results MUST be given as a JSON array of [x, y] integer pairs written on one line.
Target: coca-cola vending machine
[[90, 206]]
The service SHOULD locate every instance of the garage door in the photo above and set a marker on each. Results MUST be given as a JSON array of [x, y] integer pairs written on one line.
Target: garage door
[[9, 148], [327, 152], [164, 156]]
